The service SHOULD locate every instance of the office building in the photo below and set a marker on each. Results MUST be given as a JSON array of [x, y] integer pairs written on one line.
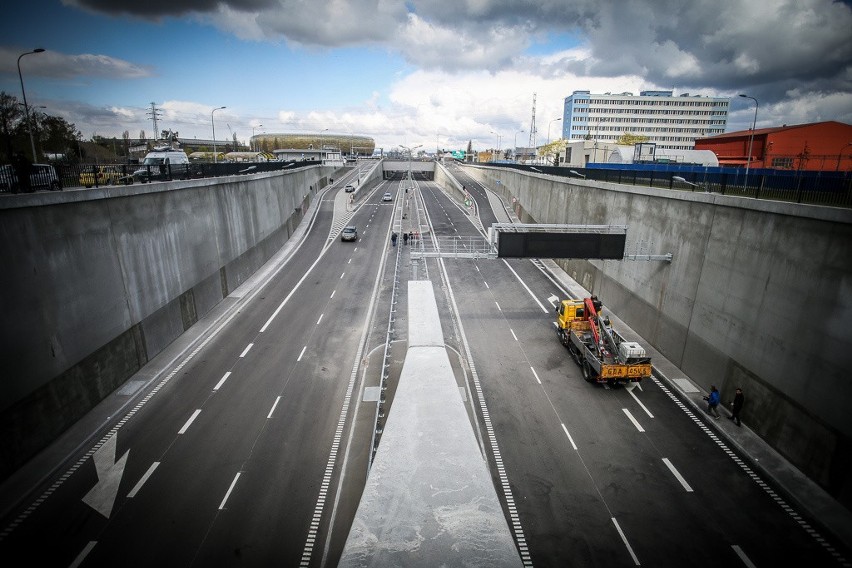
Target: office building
[[669, 121]]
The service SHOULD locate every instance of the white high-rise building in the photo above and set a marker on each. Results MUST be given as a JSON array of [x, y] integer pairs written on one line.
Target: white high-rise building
[[669, 121]]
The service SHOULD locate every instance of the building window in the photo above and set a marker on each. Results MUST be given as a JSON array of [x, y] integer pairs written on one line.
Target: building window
[[782, 163]]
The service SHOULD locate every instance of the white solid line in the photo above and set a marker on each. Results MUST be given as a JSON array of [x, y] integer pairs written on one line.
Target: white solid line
[[743, 557], [677, 474], [320, 318], [82, 556], [188, 422], [302, 353], [570, 439], [246, 350], [639, 402], [142, 481], [535, 375], [527, 288], [293, 291], [630, 416], [274, 404], [222, 381], [627, 544], [513, 333], [231, 488]]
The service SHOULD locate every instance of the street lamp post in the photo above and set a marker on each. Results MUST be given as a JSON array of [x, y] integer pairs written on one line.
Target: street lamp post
[[410, 152], [322, 142], [548, 128], [252, 136], [213, 124], [499, 136], [750, 138], [24, 93], [515, 146]]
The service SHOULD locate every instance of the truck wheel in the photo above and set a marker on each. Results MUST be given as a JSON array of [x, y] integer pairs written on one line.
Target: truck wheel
[[574, 353], [587, 372]]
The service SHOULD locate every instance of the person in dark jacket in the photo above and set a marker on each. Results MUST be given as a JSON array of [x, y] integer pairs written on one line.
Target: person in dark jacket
[[737, 406], [713, 402]]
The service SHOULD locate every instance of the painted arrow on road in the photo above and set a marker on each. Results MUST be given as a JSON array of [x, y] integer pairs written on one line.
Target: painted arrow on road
[[102, 496]]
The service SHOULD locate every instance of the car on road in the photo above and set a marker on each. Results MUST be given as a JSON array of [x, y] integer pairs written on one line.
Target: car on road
[[350, 233], [42, 176], [387, 196], [349, 188], [104, 175]]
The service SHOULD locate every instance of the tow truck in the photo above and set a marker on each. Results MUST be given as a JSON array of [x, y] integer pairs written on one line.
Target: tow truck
[[600, 351]]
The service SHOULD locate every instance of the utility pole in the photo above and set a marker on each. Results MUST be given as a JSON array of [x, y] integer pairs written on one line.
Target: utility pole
[[532, 127], [155, 113]]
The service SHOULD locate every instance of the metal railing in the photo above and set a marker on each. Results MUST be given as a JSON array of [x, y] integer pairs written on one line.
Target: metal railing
[[104, 175], [831, 188]]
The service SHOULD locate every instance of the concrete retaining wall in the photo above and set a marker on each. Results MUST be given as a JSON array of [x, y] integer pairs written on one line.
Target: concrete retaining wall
[[95, 283], [758, 295]]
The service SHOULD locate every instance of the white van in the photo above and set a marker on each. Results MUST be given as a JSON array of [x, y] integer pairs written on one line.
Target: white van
[[163, 164]]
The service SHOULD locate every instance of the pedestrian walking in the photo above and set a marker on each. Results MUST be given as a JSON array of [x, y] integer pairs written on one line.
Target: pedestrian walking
[[393, 239], [713, 402], [411, 237], [737, 406]]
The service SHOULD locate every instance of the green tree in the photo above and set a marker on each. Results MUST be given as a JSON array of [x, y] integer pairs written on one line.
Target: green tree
[[11, 117]]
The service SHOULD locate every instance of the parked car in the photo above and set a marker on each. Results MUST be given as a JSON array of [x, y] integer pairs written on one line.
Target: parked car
[[349, 188], [350, 233], [106, 175], [387, 196], [42, 176]]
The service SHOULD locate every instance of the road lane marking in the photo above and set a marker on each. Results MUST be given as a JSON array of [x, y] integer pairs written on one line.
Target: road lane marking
[[299, 358], [332, 294], [320, 318], [513, 333], [142, 481], [274, 404], [627, 544], [639, 402], [222, 381], [570, 439], [498, 305], [527, 288], [677, 474], [745, 559], [102, 496], [231, 488], [486, 284], [246, 350], [189, 422], [535, 375], [342, 274], [635, 423], [82, 556]]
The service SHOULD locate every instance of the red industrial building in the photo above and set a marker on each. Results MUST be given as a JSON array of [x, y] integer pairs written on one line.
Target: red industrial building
[[821, 146]]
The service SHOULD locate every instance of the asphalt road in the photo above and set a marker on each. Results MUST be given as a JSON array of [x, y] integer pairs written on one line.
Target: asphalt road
[[254, 449]]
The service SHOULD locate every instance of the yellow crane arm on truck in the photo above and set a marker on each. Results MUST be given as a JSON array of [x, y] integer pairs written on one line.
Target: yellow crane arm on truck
[[600, 351]]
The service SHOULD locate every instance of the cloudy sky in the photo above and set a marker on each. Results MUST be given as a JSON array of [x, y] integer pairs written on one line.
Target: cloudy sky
[[432, 72]]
